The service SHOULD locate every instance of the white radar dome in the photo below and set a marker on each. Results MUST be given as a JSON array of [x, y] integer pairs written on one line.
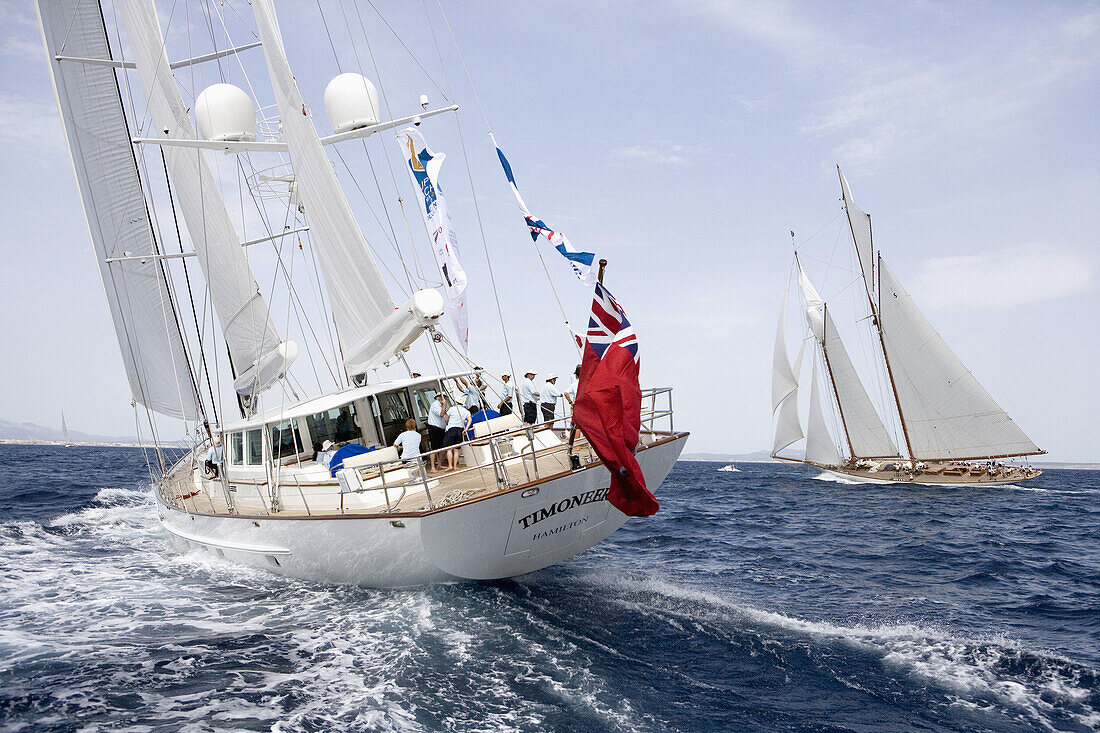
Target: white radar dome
[[351, 102], [225, 113]]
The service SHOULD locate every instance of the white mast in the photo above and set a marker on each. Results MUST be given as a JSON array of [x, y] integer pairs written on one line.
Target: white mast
[[371, 332], [259, 357], [98, 136]]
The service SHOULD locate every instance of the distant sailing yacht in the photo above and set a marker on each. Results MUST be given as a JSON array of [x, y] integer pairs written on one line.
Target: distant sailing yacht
[[954, 432], [65, 431], [260, 485]]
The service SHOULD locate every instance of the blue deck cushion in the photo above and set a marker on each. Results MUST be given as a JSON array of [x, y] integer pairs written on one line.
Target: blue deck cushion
[[349, 450]]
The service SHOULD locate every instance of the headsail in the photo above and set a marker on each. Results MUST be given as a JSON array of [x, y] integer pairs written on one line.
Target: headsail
[[860, 224], [359, 297], [99, 142], [866, 434], [947, 413], [820, 448], [251, 336]]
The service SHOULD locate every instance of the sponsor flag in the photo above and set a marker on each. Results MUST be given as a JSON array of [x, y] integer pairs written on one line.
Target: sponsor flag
[[608, 407], [424, 167], [581, 262]]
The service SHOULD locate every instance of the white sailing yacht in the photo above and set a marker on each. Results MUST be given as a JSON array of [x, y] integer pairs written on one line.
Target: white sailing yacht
[[953, 431], [259, 489]]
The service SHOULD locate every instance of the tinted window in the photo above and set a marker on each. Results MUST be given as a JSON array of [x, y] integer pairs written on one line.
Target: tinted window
[[285, 440], [337, 425], [255, 448], [236, 449]]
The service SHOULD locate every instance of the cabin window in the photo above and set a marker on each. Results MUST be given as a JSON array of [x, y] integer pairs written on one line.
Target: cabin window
[[337, 425], [285, 440], [236, 449], [255, 448], [423, 397]]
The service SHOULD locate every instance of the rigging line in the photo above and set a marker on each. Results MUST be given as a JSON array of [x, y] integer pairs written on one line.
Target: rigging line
[[407, 49], [190, 294], [392, 241], [289, 281], [473, 190], [454, 42], [370, 161], [324, 22], [389, 112]]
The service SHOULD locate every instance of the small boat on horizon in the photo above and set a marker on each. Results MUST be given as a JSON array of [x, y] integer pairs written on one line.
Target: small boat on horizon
[[952, 431]]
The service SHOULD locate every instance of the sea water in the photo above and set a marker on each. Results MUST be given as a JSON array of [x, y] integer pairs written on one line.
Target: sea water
[[768, 599]]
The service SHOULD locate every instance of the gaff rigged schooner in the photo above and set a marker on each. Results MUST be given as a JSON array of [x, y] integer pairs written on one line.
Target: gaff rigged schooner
[[952, 431], [261, 489]]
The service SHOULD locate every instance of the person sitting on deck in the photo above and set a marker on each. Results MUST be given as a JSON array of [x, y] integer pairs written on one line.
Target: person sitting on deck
[[409, 443], [324, 456], [459, 421], [214, 458]]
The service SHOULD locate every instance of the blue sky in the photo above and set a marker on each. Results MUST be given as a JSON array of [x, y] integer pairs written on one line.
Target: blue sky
[[682, 141]]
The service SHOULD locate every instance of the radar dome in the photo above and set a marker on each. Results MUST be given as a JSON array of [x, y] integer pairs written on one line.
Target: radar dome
[[225, 113], [351, 102]]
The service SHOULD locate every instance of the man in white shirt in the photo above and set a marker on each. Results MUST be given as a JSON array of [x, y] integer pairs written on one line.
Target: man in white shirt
[[571, 393], [409, 442], [529, 398], [459, 421], [474, 391], [506, 391], [437, 428], [549, 397]]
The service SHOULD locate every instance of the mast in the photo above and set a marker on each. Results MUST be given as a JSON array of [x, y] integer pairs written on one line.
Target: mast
[[872, 287], [257, 353]]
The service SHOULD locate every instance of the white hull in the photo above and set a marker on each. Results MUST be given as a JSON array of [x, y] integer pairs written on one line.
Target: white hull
[[891, 477], [499, 536]]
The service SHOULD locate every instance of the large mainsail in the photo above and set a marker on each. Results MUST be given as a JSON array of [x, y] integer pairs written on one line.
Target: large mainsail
[[359, 297], [946, 412], [114, 206], [234, 293], [866, 434]]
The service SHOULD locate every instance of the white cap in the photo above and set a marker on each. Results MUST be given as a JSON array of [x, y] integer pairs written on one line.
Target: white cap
[[550, 376]]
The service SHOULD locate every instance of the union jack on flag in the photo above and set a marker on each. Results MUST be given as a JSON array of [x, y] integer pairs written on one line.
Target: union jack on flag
[[608, 325]]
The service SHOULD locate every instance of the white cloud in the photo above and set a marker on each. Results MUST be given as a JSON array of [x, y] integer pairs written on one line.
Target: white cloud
[[27, 122], [659, 153], [1001, 280]]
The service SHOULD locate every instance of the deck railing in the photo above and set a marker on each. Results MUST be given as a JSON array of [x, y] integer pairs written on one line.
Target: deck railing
[[501, 461]]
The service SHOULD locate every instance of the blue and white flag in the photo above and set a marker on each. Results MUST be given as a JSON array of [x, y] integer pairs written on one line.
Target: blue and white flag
[[581, 262], [423, 166]]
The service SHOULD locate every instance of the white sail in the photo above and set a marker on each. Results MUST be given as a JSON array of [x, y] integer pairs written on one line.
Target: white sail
[[788, 429], [946, 412], [359, 298], [820, 447], [114, 206], [244, 316], [783, 379], [867, 436], [860, 224]]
